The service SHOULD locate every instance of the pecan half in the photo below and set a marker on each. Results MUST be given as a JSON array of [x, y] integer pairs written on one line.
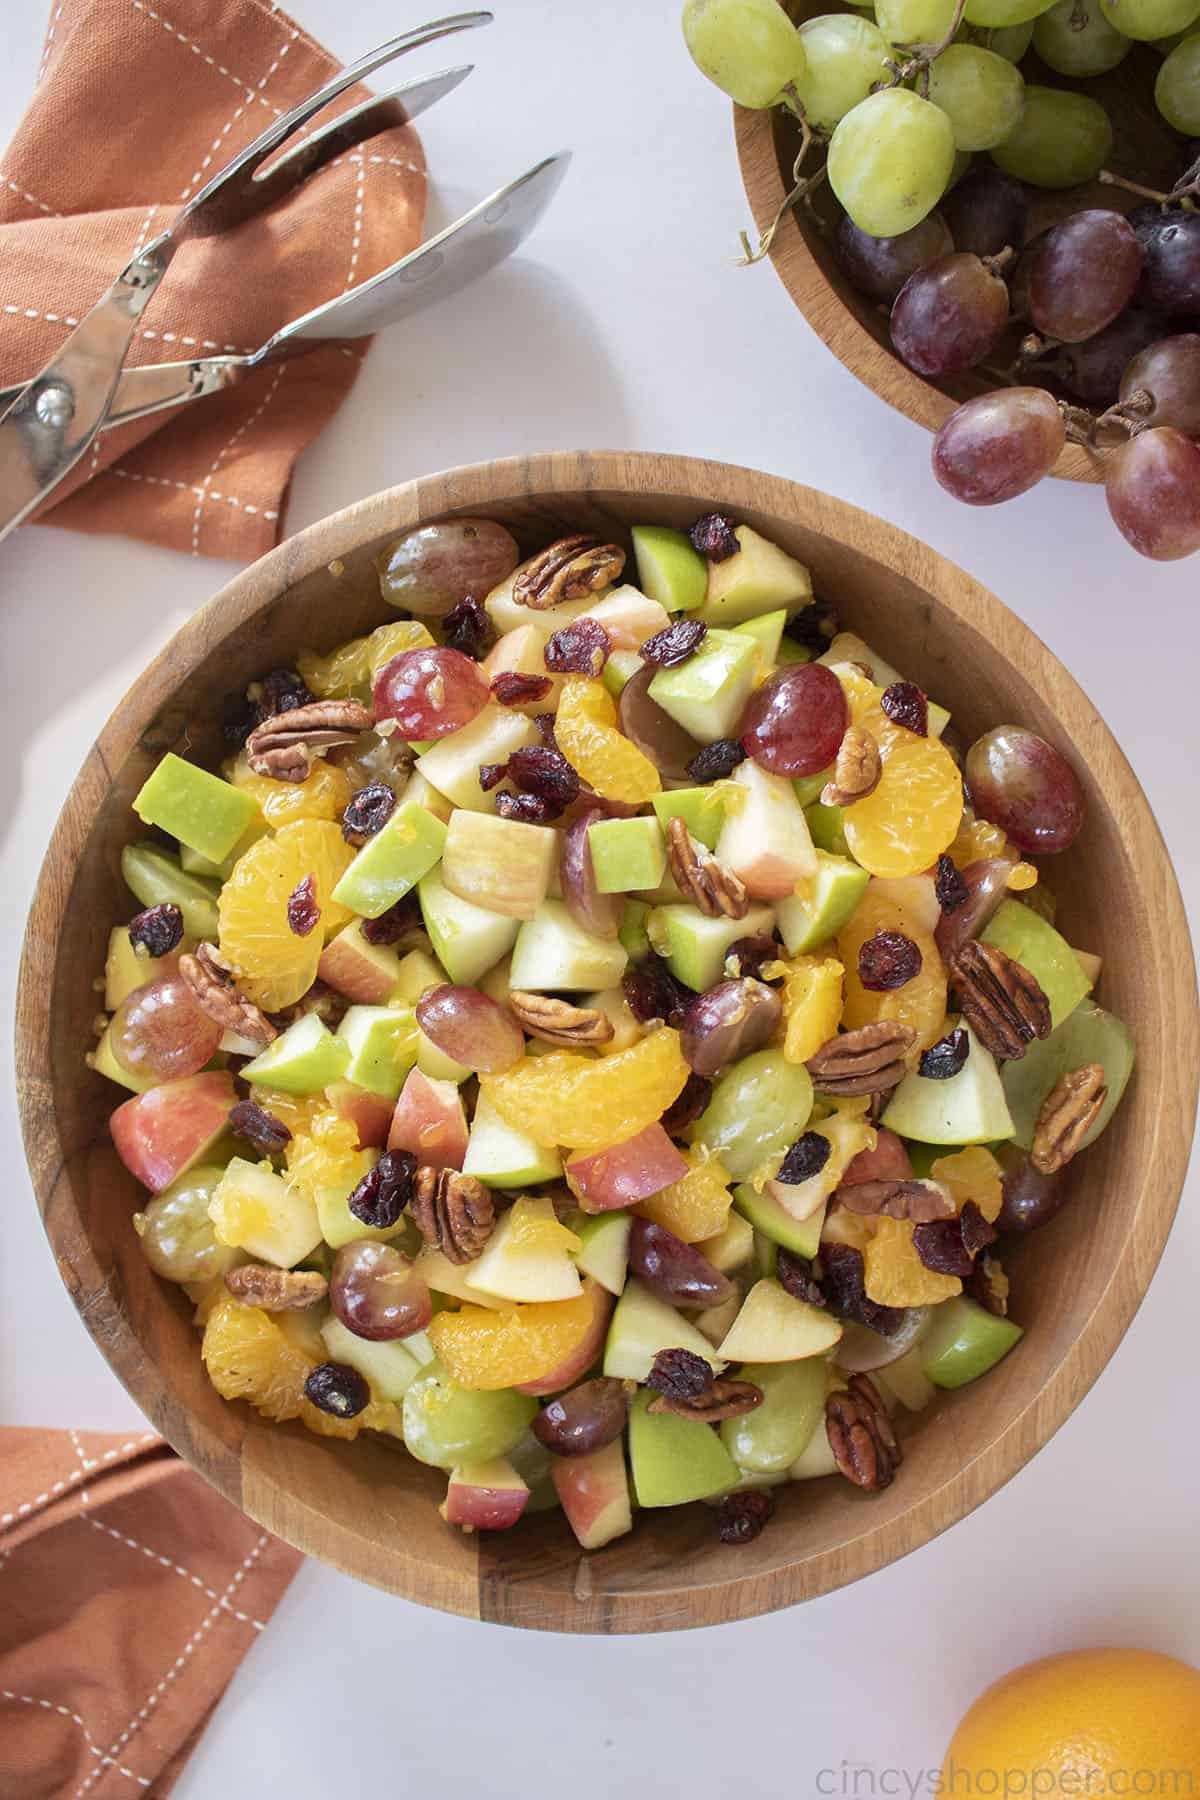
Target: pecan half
[[1067, 1115], [919, 1201], [861, 1436], [716, 890], [276, 1290], [215, 993], [556, 1021], [283, 745], [1000, 1000], [867, 1061], [569, 569], [452, 1212], [857, 769], [989, 1285], [720, 1400]]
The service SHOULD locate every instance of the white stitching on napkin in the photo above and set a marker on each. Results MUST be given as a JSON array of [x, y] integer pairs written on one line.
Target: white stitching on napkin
[[90, 1742], [245, 426], [189, 487], [212, 62], [224, 133], [31, 198], [359, 198], [49, 41], [165, 1562]]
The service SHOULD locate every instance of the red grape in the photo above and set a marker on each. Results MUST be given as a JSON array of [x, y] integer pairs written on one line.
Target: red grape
[[986, 883], [471, 1028], [1092, 370], [675, 1271], [159, 1031], [998, 445], [1153, 492], [430, 692], [585, 1419], [1171, 244], [986, 212], [596, 912], [879, 267], [375, 1294], [949, 315], [795, 722], [669, 747], [1025, 786], [1075, 278], [1168, 374]]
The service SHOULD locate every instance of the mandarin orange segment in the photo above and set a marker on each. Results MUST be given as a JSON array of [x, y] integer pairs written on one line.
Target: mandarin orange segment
[[323, 794], [251, 1356], [894, 1274], [697, 1205], [590, 738], [812, 1004], [976, 841], [914, 813], [355, 665], [921, 1002], [973, 1174], [591, 1103], [323, 1154], [296, 1111], [272, 965], [488, 1349]]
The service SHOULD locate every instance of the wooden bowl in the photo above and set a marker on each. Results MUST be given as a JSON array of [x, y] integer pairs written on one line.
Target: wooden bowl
[[854, 327], [366, 1507]]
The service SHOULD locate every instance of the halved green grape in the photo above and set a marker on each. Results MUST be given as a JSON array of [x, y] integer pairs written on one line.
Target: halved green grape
[[445, 1424], [772, 1436], [914, 21], [846, 57], [1009, 41], [757, 1111], [1004, 13], [1060, 141], [748, 48], [1149, 19], [890, 159], [980, 93], [176, 1233], [1074, 38], [1177, 89]]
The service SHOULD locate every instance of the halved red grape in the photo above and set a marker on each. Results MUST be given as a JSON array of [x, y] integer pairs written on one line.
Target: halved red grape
[[430, 692], [986, 883], [948, 315], [375, 1293], [669, 747], [998, 445], [1153, 493], [471, 1028], [1023, 784], [596, 912], [795, 722], [159, 1031]]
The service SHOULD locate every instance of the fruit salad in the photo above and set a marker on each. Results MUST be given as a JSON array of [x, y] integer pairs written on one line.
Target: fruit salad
[[600, 1030]]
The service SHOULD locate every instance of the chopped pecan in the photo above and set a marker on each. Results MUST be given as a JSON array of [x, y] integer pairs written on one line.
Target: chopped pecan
[[1001, 1001], [556, 1021], [989, 1285], [720, 1400], [1068, 1113], [867, 1061], [283, 745], [213, 989], [716, 890], [857, 769], [453, 1213], [276, 1290], [569, 569], [861, 1436], [918, 1201]]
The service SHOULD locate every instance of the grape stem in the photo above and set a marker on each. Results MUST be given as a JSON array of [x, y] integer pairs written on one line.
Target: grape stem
[[1111, 179], [919, 58], [1129, 416], [1080, 424], [1188, 185], [803, 186]]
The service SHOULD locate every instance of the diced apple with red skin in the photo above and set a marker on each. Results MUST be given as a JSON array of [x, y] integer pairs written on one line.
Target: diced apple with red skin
[[429, 1121], [485, 1496], [765, 839], [365, 973], [585, 1354], [888, 1161], [160, 1133], [594, 1491], [370, 1114], [626, 1173]]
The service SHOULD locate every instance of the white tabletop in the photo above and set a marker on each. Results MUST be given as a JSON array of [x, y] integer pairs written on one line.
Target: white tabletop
[[624, 325]]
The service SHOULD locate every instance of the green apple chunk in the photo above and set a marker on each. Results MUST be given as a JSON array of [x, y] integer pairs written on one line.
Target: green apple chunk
[[1033, 942], [758, 1109], [503, 865], [467, 939], [415, 974], [554, 953], [675, 1460], [503, 1157], [603, 1248], [274, 1222], [806, 920], [338, 1224], [391, 1368], [382, 1047], [767, 632], [392, 862], [628, 855], [670, 570], [696, 946], [759, 578], [154, 876], [769, 1439], [815, 1460], [701, 809], [1089, 1035], [641, 1326], [905, 1379], [774, 1327], [706, 694], [731, 1248], [632, 934], [765, 839], [437, 1065], [964, 1342], [126, 969], [203, 811], [360, 970], [825, 828], [767, 1216], [453, 765], [970, 1108], [619, 670], [304, 1059], [847, 646], [528, 1256]]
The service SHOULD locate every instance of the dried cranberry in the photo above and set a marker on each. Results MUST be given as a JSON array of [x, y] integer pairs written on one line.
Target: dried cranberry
[[686, 1109], [714, 537], [545, 729], [527, 809], [338, 1389], [948, 885], [815, 626], [806, 1158], [239, 716], [368, 812], [673, 646], [393, 924], [796, 1277], [253, 1122], [945, 1058], [514, 689], [158, 930], [467, 627], [977, 1233], [740, 1517], [491, 775], [652, 992], [581, 648], [680, 1374], [717, 760], [940, 1247], [384, 1191], [843, 1278], [283, 690], [888, 960], [906, 705], [752, 955], [302, 909], [538, 769]]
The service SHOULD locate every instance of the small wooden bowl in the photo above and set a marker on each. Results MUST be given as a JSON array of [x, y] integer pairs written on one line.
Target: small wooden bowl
[[367, 1508], [854, 327]]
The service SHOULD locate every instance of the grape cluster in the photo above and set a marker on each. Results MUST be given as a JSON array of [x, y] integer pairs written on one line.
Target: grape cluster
[[1089, 329]]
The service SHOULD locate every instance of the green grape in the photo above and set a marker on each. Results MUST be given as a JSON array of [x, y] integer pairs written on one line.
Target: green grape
[[980, 93], [846, 56], [889, 161], [1009, 41], [1177, 90], [914, 21], [962, 162], [793, 1406], [445, 1424], [1060, 141], [1074, 38], [176, 1233], [1149, 19], [749, 48], [1004, 12], [757, 1111]]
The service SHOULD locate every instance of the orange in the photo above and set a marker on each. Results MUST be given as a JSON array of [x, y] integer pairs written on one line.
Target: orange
[[977, 841], [914, 813], [323, 794], [324, 1153], [812, 1005], [921, 1002], [252, 1356], [271, 964], [486, 1349], [590, 739], [973, 1174], [355, 665], [589, 1103], [697, 1205], [1099, 1723], [894, 1274]]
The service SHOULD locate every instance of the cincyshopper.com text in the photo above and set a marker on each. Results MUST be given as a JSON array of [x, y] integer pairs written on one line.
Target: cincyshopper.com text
[[952, 1783]]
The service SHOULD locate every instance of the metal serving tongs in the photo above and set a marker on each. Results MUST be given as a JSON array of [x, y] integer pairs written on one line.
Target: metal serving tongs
[[53, 420]]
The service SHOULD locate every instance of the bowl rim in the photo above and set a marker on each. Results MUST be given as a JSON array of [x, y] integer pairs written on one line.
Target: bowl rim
[[466, 1590]]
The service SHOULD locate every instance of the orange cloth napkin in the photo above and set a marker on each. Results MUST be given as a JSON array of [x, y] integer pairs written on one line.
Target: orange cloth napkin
[[129, 1593], [136, 106]]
